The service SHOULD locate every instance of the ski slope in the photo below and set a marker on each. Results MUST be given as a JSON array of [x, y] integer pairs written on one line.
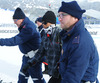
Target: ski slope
[[11, 57]]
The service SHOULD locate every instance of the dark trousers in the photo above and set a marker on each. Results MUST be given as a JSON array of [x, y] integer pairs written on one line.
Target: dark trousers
[[55, 80], [35, 72]]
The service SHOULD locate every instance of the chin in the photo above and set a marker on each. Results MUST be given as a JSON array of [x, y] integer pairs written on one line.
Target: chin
[[62, 27]]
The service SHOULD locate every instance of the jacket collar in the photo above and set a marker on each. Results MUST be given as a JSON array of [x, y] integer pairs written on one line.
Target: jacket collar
[[23, 23], [49, 29], [76, 29]]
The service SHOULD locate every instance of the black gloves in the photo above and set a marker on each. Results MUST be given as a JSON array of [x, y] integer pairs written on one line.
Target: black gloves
[[30, 63], [25, 68], [56, 71]]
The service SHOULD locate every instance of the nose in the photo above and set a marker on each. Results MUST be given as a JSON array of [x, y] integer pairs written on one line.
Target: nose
[[59, 19]]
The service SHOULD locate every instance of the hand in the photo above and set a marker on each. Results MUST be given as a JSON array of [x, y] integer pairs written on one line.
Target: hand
[[30, 63], [25, 68], [56, 71]]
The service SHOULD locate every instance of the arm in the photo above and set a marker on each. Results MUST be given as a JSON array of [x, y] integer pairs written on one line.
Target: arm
[[11, 41], [22, 37]]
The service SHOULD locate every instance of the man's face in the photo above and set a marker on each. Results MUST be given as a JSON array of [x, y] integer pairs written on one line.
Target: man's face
[[66, 20], [45, 24], [18, 22], [38, 23]]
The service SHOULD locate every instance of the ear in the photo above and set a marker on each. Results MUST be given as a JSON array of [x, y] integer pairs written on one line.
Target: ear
[[76, 19]]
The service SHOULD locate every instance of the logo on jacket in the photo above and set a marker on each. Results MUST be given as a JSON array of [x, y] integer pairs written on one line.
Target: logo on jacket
[[76, 40]]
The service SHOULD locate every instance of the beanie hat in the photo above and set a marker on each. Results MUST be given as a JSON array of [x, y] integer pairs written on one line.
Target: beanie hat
[[71, 8], [18, 14], [50, 17], [39, 19]]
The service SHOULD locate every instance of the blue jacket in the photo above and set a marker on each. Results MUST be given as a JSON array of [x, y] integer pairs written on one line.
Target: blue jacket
[[28, 38], [79, 59]]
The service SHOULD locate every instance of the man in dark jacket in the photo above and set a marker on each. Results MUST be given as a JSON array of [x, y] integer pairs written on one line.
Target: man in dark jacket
[[38, 21], [41, 30], [79, 58], [28, 39], [50, 47]]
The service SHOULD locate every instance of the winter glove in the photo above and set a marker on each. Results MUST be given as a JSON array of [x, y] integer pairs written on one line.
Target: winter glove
[[30, 63], [25, 68], [56, 71]]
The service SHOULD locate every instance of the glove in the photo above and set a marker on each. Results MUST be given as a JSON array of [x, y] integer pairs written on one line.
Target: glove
[[30, 63], [25, 68], [56, 71]]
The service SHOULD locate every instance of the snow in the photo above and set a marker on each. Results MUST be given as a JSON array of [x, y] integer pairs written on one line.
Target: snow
[[11, 57], [5, 15]]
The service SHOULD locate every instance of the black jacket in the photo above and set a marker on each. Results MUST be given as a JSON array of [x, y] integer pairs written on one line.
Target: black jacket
[[51, 48]]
